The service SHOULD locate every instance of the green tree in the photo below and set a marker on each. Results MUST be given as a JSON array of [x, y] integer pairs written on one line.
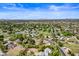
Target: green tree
[[1, 38], [23, 53], [60, 44], [2, 47], [20, 36]]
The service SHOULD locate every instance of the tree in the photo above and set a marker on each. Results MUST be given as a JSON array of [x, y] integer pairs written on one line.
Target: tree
[[23, 53], [55, 51], [2, 47], [31, 41], [1, 38], [20, 36], [12, 37], [42, 47], [60, 44], [70, 52]]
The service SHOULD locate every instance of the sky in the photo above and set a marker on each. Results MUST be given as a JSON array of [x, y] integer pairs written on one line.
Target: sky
[[39, 10]]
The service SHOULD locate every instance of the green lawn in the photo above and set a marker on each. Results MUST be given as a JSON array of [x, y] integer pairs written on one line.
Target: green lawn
[[67, 33]]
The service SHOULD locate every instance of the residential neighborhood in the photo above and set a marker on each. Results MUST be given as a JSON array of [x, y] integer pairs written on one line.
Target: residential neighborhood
[[39, 38]]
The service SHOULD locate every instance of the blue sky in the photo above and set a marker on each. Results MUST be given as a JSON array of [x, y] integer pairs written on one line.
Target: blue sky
[[39, 10]]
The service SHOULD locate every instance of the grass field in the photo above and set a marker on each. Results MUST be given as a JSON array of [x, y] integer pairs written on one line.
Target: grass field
[[73, 47]]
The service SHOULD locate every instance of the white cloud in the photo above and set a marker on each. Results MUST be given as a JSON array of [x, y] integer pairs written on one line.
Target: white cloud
[[55, 8], [62, 7], [38, 13], [13, 7]]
